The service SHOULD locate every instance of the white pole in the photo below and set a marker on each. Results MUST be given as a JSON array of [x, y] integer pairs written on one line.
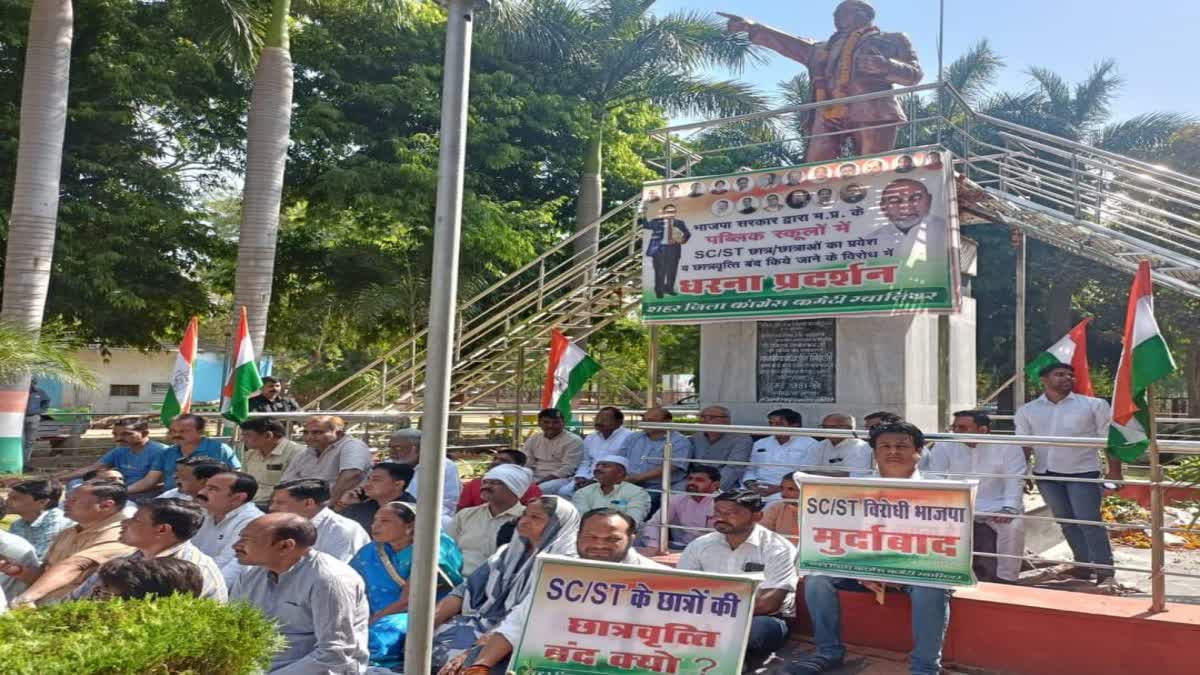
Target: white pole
[[1019, 357], [447, 228]]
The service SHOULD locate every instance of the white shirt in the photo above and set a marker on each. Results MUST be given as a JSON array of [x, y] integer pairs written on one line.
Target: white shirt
[[1077, 416], [216, 539], [345, 454], [338, 536], [851, 454], [514, 623], [947, 459], [450, 488], [175, 493], [596, 446], [767, 551], [771, 460]]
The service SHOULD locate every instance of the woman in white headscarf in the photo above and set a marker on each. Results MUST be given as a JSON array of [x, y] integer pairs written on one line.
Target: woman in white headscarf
[[479, 604]]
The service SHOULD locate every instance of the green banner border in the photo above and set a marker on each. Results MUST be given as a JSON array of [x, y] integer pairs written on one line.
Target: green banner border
[[899, 483], [544, 559]]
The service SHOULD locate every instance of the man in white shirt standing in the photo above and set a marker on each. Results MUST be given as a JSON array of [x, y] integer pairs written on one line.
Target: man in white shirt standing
[[337, 535], [774, 457], [1061, 412], [741, 546], [228, 497], [842, 456], [949, 459], [404, 446], [609, 438]]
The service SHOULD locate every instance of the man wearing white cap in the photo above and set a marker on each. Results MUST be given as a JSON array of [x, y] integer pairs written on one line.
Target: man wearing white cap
[[475, 529], [610, 491]]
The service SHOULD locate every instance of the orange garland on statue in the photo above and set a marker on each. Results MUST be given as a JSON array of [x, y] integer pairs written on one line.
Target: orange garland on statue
[[845, 70]]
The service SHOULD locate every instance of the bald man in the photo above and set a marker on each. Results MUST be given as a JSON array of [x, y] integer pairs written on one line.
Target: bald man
[[318, 601], [840, 456]]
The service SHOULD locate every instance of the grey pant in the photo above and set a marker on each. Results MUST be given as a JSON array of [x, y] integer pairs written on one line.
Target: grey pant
[[32, 422]]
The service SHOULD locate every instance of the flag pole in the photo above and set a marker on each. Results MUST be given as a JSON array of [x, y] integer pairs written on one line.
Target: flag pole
[[1158, 582]]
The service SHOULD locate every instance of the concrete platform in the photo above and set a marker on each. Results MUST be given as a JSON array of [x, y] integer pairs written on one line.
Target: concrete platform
[[859, 661]]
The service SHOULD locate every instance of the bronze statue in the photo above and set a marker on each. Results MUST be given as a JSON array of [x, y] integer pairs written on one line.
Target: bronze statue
[[857, 59]]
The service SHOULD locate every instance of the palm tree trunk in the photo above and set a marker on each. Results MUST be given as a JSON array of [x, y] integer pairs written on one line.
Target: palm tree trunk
[[591, 193], [587, 211], [35, 199], [267, 128]]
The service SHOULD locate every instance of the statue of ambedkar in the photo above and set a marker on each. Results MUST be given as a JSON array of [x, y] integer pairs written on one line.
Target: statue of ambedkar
[[857, 59]]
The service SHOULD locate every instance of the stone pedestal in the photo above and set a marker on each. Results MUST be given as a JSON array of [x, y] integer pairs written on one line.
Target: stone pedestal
[[883, 363]]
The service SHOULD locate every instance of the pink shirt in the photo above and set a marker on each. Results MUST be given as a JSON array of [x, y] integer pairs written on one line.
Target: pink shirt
[[685, 511]]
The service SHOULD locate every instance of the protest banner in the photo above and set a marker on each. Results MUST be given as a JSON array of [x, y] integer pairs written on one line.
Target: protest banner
[[917, 532], [595, 617], [856, 237]]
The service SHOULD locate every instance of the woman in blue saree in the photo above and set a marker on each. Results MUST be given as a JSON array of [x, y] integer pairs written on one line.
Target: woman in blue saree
[[385, 565]]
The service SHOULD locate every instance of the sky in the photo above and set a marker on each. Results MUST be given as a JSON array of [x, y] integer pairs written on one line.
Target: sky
[[1153, 48]]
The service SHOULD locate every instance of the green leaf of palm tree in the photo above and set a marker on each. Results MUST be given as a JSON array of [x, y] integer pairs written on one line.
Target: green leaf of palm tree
[[1144, 135], [48, 355], [972, 73], [234, 29], [1094, 95]]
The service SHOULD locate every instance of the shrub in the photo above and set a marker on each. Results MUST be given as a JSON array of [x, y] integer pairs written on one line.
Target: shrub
[[180, 634]]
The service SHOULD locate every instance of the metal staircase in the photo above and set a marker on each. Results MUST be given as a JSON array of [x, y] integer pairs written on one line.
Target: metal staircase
[[1112, 209]]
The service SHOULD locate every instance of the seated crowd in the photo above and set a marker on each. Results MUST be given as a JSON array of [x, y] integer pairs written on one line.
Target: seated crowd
[[319, 535]]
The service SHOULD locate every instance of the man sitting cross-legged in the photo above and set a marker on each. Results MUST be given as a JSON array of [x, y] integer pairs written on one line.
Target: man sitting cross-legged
[[898, 447]]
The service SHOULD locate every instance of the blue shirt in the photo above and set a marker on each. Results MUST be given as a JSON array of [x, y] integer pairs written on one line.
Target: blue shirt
[[209, 447], [42, 531], [645, 453], [134, 465]]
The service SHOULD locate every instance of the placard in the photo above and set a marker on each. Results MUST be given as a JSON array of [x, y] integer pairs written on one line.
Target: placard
[[591, 617], [863, 236], [797, 361], [917, 532]]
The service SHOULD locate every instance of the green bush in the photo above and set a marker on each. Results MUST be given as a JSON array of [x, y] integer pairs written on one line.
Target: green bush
[[179, 634]]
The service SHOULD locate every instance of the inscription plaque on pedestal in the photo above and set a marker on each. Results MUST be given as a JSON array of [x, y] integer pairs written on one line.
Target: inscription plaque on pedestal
[[797, 361]]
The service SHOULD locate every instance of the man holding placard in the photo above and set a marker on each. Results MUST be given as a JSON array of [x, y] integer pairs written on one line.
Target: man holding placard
[[741, 546], [897, 447], [606, 535]]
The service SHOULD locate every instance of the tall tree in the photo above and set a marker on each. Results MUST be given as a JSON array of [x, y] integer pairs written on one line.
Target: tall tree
[[267, 127], [34, 216], [614, 53]]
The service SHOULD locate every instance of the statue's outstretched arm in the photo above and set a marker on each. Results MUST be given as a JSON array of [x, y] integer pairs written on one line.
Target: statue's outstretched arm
[[795, 48]]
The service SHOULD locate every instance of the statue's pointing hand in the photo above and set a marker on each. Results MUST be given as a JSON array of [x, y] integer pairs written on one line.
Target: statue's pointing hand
[[737, 24]]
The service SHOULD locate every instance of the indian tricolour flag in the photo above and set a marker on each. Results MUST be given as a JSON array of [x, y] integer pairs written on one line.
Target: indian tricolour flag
[[1071, 350], [179, 396], [1145, 359], [244, 379], [570, 368]]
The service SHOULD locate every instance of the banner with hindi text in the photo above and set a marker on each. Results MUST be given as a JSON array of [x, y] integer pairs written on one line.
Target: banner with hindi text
[[862, 236], [917, 532], [591, 617]]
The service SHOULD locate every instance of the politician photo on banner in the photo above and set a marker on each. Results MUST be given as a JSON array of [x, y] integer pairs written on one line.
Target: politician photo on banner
[[668, 234]]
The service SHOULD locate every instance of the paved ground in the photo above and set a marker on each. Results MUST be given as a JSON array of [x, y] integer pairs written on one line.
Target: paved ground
[[860, 661]]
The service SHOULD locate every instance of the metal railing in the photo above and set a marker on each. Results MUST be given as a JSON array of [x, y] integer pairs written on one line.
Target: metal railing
[[567, 286], [1157, 571], [1104, 206]]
